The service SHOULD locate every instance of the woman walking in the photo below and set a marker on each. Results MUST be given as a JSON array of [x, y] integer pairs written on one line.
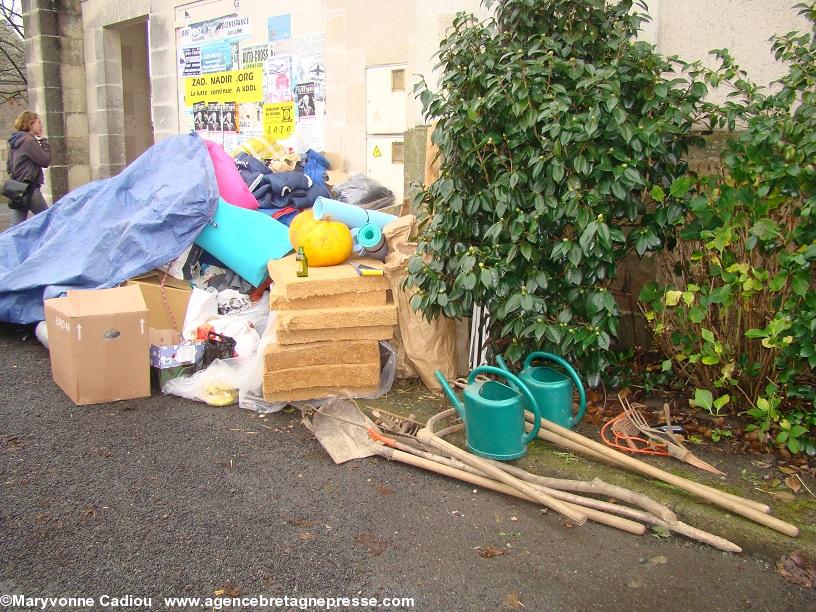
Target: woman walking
[[29, 153]]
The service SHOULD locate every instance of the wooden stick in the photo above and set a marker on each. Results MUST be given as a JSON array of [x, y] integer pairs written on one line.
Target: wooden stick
[[613, 461], [487, 483], [740, 507], [596, 486], [592, 506], [427, 436]]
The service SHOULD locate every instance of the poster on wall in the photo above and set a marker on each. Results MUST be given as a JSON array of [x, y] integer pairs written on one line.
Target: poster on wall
[[277, 80], [254, 56], [190, 61], [279, 27], [229, 27], [200, 118], [217, 56], [305, 100], [279, 120], [234, 87]]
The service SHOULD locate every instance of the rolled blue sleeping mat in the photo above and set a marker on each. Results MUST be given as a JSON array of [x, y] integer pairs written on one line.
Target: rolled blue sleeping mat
[[371, 238], [350, 214], [245, 240]]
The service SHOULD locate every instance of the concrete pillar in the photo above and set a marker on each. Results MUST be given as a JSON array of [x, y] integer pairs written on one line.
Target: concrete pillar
[[56, 88]]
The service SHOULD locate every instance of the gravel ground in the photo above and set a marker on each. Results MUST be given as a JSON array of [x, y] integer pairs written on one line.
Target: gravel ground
[[165, 497]]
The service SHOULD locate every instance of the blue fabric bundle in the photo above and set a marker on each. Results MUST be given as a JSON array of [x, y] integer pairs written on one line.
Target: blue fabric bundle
[[110, 230]]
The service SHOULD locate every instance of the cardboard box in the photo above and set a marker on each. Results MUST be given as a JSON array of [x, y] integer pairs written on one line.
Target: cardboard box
[[176, 292], [171, 358], [99, 344]]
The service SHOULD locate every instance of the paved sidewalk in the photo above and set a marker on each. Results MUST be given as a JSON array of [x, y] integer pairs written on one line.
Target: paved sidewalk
[[166, 497]]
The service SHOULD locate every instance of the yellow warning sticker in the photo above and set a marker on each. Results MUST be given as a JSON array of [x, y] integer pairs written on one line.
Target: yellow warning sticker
[[377, 152]]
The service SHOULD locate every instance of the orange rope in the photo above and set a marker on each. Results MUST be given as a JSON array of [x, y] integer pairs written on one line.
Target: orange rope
[[643, 446]]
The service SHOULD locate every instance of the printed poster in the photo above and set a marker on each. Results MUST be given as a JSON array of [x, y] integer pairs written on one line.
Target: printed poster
[[200, 117], [254, 56], [279, 120], [228, 86], [213, 120], [305, 93], [216, 56], [190, 61], [230, 27], [277, 80], [279, 27]]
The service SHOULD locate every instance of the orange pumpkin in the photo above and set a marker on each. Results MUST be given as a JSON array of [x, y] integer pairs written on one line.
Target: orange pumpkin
[[300, 221], [325, 243]]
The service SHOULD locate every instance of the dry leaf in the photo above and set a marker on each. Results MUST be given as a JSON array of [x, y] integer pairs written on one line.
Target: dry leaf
[[383, 490], [103, 452], [306, 536], [511, 600], [488, 552], [373, 544], [301, 522], [795, 568], [787, 470], [783, 496], [792, 482]]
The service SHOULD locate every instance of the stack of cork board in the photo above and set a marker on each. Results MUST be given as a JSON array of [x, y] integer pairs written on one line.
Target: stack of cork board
[[328, 329]]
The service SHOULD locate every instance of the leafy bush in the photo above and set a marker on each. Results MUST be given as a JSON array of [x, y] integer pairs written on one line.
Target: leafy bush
[[739, 315], [554, 126]]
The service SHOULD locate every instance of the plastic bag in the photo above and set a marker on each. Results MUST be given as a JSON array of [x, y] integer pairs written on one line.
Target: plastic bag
[[217, 347], [240, 328], [216, 385], [202, 307], [364, 192]]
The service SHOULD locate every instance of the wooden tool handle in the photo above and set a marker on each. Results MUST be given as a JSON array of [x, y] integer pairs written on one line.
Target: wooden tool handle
[[568, 510], [737, 506]]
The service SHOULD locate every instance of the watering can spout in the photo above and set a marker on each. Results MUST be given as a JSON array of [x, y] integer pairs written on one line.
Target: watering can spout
[[460, 408]]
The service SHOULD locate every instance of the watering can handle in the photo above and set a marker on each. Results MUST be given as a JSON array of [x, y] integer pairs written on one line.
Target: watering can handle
[[521, 387], [573, 374]]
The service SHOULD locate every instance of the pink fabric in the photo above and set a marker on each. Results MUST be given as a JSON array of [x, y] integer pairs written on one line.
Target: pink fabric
[[231, 186]]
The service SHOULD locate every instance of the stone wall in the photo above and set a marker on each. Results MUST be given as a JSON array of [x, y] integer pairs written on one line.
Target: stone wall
[[56, 88]]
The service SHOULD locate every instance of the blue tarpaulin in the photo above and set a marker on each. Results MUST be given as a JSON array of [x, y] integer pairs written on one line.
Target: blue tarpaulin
[[110, 230]]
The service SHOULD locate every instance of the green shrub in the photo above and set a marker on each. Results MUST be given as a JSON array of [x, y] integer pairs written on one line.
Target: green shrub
[[556, 128], [739, 315]]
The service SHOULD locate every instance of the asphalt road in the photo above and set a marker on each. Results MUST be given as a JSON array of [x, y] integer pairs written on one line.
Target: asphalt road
[[164, 497]]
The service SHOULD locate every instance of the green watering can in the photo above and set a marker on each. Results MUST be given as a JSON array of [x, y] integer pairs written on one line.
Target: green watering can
[[494, 414], [552, 390]]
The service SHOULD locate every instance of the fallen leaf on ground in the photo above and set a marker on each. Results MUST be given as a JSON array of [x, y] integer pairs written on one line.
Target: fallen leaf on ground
[[796, 568], [374, 545], [90, 511], [787, 470], [228, 590], [383, 490], [511, 600], [785, 497], [488, 552], [103, 452], [301, 522], [792, 482], [659, 560], [306, 536]]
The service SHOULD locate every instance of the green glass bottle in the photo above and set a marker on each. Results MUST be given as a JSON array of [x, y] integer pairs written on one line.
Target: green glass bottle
[[303, 263]]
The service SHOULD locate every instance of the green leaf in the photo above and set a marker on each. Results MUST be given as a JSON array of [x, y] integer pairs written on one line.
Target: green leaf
[[765, 230], [666, 366], [657, 193], [721, 401], [672, 298], [633, 175], [557, 171], [800, 286], [707, 335], [680, 186], [794, 445], [703, 398], [469, 281], [797, 431]]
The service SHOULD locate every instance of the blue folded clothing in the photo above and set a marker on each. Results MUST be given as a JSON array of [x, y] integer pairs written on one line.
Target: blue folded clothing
[[316, 166]]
